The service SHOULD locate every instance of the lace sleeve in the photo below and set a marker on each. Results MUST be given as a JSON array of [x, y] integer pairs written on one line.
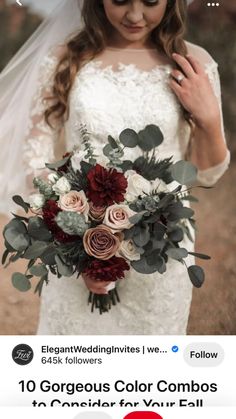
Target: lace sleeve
[[210, 176], [40, 138]]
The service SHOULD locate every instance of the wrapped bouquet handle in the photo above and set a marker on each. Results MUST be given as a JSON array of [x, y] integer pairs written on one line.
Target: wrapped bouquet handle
[[103, 302]]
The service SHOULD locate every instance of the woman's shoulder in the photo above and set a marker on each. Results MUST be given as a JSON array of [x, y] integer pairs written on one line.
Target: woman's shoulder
[[201, 54]]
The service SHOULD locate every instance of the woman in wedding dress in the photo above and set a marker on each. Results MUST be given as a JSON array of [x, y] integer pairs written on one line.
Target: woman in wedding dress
[[119, 72]]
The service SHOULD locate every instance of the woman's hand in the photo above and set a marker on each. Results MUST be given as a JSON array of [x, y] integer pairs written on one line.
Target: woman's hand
[[97, 287], [195, 92]]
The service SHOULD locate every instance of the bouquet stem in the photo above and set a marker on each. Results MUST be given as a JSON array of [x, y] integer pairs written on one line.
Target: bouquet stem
[[103, 302]]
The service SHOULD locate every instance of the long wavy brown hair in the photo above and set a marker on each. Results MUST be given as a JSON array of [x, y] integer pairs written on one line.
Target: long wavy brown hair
[[92, 40]]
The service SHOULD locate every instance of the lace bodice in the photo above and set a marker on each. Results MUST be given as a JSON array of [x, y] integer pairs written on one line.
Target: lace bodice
[[118, 89]]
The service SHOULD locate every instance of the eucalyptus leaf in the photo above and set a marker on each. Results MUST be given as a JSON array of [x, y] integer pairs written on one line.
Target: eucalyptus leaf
[[153, 257], [142, 266], [176, 213], [19, 241], [189, 198], [177, 253], [200, 255], [85, 167], [15, 257], [166, 200], [161, 265], [129, 138], [157, 261], [8, 247], [39, 286], [142, 237], [31, 263], [38, 229], [196, 275], [63, 269], [38, 270], [20, 201], [48, 256], [4, 256], [186, 230], [129, 233], [184, 172], [21, 282], [176, 235], [137, 217], [107, 150], [112, 141], [35, 250], [17, 225], [126, 165], [159, 231], [150, 137], [58, 164], [20, 217], [193, 223]]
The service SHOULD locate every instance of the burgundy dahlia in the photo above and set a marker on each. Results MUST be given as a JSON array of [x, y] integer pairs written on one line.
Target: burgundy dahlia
[[106, 187], [50, 211], [107, 270]]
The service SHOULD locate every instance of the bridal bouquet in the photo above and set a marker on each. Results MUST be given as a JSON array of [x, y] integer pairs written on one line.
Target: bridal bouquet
[[99, 216]]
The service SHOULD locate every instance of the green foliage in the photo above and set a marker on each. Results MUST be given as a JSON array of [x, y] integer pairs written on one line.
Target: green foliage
[[71, 222], [196, 275], [64, 269], [16, 235], [184, 172], [151, 169], [150, 137], [35, 250], [38, 270], [21, 282], [19, 201], [129, 138], [177, 253], [38, 230], [58, 164], [44, 187], [78, 180], [90, 156]]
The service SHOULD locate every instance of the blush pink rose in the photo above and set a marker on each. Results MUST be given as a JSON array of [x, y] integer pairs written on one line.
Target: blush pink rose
[[117, 217], [76, 202], [101, 243]]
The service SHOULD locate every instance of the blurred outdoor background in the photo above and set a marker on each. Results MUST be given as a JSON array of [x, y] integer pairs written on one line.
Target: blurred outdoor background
[[213, 309]]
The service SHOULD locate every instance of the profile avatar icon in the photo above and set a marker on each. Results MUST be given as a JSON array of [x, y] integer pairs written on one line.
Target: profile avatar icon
[[143, 415]]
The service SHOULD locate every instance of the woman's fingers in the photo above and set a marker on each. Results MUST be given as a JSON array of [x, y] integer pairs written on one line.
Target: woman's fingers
[[185, 65], [176, 74], [197, 66]]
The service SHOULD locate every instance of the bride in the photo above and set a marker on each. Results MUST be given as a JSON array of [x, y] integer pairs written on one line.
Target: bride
[[108, 65]]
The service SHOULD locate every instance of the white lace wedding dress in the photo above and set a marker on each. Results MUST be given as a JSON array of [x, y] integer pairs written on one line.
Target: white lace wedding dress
[[119, 89]]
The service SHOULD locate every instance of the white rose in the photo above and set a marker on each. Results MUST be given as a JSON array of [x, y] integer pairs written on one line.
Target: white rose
[[128, 251], [62, 186], [36, 201], [160, 185], [77, 158], [137, 185], [117, 217], [53, 178]]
